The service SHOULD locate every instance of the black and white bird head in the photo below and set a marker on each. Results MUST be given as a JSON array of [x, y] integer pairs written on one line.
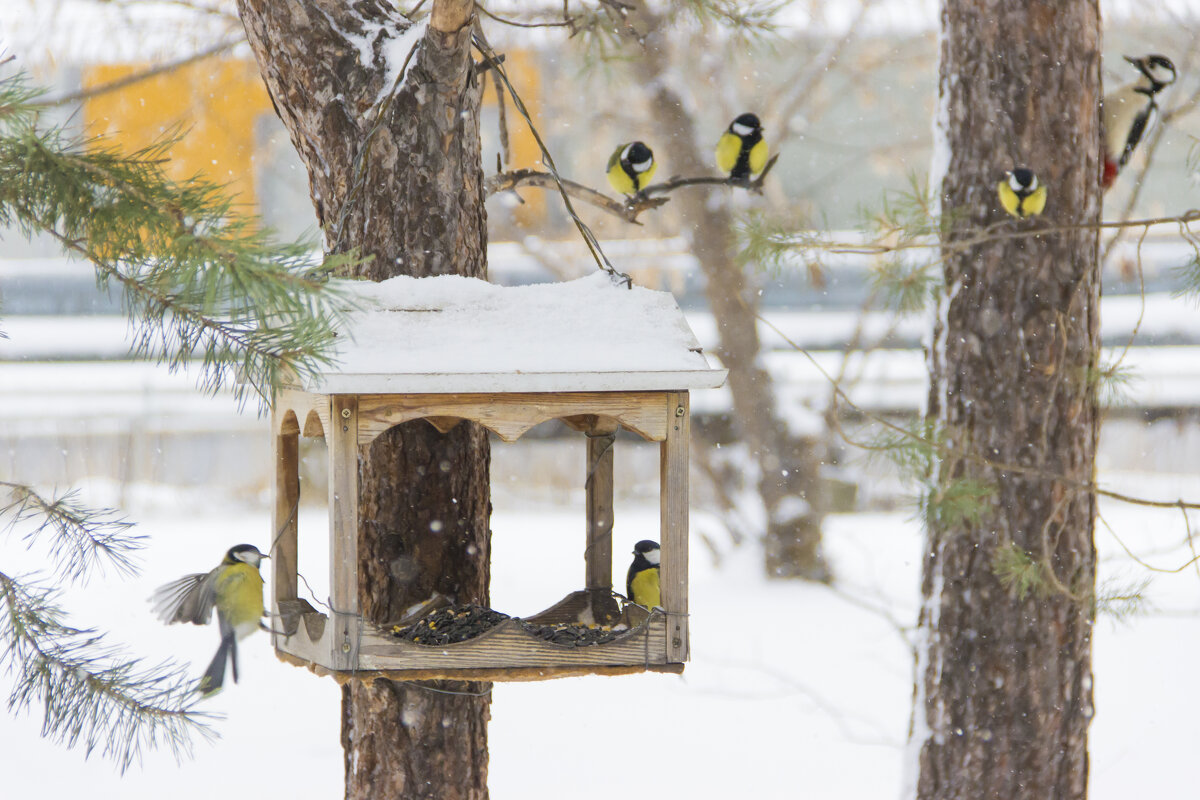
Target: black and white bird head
[[1022, 181], [1158, 70], [648, 550], [745, 125], [246, 553], [638, 156]]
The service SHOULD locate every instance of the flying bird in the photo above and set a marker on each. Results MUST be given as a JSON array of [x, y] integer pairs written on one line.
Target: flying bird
[[235, 588]]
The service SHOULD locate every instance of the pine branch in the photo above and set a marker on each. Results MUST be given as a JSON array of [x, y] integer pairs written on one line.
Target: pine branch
[[199, 280], [90, 693], [80, 539]]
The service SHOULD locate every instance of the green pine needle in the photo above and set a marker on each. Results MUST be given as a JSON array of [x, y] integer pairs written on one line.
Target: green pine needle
[[200, 281], [1018, 571]]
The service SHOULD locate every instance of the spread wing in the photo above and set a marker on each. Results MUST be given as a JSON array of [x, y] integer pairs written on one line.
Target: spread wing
[[189, 599]]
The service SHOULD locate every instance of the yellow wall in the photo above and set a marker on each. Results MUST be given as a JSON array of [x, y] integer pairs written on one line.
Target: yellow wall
[[521, 67], [214, 102]]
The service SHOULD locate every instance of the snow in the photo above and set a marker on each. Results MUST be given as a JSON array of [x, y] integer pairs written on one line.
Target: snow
[[817, 707], [456, 334]]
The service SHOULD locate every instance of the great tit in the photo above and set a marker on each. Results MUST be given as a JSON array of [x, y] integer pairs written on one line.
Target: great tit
[[641, 584], [235, 588], [742, 150], [1021, 194], [630, 168], [1130, 112]]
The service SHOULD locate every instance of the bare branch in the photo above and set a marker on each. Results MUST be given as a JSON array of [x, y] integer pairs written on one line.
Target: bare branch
[[631, 207]]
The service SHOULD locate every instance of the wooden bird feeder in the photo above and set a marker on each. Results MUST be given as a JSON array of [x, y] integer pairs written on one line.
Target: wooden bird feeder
[[594, 355]]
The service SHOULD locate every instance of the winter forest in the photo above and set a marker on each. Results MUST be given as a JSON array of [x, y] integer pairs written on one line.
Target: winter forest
[[787, 398]]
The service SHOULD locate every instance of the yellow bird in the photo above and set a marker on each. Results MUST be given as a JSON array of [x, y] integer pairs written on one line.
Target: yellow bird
[[1021, 194], [235, 588], [641, 584], [630, 168], [742, 150]]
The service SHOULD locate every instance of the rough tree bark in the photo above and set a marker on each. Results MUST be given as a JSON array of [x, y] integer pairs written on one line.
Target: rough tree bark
[[1004, 693], [788, 466], [413, 202]]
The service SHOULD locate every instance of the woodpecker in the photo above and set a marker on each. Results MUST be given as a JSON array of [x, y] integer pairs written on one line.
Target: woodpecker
[[1129, 112]]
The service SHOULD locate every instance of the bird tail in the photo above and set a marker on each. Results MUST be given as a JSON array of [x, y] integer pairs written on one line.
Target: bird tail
[[214, 677]]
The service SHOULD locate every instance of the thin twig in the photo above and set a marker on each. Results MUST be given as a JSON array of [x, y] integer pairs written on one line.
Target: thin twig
[[628, 209]]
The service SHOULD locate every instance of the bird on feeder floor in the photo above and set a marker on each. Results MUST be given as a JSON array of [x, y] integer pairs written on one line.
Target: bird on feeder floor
[[1130, 112], [1021, 194], [235, 588], [641, 585], [630, 168], [742, 150]]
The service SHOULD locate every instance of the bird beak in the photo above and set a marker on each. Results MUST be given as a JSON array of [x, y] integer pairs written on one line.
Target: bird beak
[[1139, 63]]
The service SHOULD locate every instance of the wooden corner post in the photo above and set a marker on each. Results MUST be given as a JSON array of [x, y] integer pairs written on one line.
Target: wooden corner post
[[597, 556], [343, 531], [673, 490], [285, 439]]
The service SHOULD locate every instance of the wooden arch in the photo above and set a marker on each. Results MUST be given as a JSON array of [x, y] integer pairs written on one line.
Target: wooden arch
[[510, 416]]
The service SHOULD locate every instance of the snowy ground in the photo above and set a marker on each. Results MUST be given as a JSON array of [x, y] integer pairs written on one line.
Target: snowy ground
[[816, 704]]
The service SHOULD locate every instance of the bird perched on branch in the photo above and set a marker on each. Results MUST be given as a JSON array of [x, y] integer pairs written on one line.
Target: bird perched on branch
[[1021, 194], [1130, 112], [630, 168], [235, 588], [742, 150], [641, 584]]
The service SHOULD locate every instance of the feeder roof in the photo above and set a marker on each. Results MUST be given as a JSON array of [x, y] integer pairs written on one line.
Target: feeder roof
[[459, 335]]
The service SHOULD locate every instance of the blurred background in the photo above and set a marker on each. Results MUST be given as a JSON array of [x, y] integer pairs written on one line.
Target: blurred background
[[847, 93]]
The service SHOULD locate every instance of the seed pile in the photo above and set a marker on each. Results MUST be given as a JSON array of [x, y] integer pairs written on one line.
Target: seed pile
[[573, 635], [460, 623], [449, 625]]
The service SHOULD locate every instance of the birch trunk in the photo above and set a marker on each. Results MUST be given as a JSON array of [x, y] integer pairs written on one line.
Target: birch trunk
[[1004, 692], [404, 186]]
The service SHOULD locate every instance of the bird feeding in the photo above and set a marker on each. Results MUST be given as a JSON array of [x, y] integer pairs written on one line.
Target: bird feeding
[[598, 357]]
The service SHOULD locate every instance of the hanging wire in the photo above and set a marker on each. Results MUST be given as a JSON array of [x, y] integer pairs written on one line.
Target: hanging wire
[[589, 238]]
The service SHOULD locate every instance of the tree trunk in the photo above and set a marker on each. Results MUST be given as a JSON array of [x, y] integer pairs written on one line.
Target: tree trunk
[[414, 203], [788, 466], [1004, 680]]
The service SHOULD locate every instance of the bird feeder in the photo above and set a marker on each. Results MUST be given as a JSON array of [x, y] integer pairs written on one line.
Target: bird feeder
[[589, 353]]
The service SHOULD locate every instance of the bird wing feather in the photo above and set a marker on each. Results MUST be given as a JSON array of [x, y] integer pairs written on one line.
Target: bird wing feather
[[729, 147], [189, 599], [758, 157], [1036, 202]]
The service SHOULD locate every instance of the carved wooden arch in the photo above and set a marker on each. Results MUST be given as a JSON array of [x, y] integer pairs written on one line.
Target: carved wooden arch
[[291, 406], [313, 428], [510, 416], [288, 424]]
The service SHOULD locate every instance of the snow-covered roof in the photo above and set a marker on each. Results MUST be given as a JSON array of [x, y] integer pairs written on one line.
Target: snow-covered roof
[[452, 334]]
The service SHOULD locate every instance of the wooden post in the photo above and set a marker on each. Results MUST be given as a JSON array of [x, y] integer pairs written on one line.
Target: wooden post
[[343, 531], [284, 523], [598, 554], [673, 491]]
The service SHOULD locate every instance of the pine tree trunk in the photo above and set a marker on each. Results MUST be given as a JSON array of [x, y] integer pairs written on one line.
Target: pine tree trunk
[[1004, 693], [415, 204], [787, 466]]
